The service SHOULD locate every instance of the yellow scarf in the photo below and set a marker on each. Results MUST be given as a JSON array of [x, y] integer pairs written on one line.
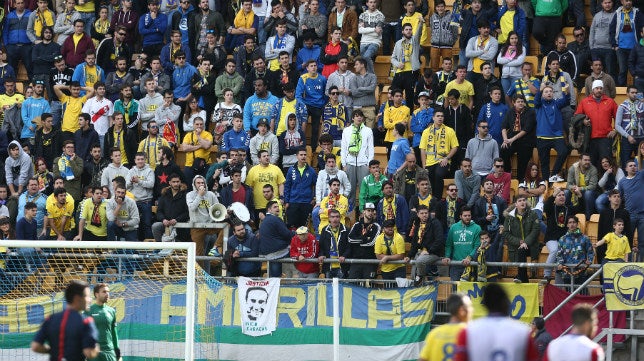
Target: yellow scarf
[[243, 20], [43, 19]]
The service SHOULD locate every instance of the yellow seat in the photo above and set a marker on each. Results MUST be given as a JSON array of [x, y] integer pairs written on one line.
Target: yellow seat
[[592, 228], [535, 63], [381, 68], [582, 222]]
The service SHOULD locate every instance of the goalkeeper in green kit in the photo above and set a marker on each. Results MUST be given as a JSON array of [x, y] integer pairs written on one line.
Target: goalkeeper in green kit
[[105, 319]]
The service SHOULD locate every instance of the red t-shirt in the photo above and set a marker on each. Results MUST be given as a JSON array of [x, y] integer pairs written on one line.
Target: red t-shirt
[[240, 195]]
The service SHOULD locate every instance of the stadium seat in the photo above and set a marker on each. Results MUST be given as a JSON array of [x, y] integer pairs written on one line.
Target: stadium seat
[[535, 47], [22, 73], [380, 153], [535, 64], [382, 66], [514, 188], [592, 227], [621, 94], [383, 96], [582, 222]]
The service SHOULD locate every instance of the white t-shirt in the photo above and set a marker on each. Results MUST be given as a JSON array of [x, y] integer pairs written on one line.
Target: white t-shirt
[[99, 111]]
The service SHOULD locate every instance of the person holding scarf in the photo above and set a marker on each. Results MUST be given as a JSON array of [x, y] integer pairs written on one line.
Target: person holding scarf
[[70, 167], [281, 41], [245, 23]]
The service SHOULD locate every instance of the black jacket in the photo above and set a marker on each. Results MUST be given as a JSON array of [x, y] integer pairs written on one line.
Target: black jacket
[[361, 246], [130, 146], [106, 49], [441, 212], [47, 146], [460, 119], [433, 238], [174, 207], [161, 173], [42, 56], [480, 209], [92, 172], [326, 240], [275, 80], [84, 140], [528, 122]]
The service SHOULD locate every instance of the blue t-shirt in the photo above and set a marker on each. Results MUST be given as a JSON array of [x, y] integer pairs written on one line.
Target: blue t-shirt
[[399, 149], [79, 333]]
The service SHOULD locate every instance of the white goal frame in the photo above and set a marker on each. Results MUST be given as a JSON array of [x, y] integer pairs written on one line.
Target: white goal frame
[[191, 265]]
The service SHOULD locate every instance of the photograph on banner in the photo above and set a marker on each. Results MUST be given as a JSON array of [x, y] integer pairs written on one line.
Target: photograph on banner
[[524, 298], [624, 286], [258, 300]]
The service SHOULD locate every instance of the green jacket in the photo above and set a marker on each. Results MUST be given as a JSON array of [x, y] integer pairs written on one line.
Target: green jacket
[[371, 190], [549, 7], [513, 228], [235, 82], [462, 241]]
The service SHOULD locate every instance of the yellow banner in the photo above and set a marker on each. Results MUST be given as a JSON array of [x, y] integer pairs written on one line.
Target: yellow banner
[[624, 286], [524, 299]]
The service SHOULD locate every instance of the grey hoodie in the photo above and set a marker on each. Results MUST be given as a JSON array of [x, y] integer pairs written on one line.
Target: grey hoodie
[[199, 206], [128, 213], [267, 141], [20, 169], [110, 172], [482, 152], [142, 190]]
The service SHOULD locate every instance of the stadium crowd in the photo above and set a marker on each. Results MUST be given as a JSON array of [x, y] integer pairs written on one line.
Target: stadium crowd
[[117, 91]]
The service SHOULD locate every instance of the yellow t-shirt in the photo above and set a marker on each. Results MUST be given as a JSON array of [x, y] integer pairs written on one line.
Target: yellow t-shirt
[[88, 7], [397, 246], [393, 115], [118, 140], [466, 89], [72, 107], [287, 108], [407, 51], [507, 25], [476, 62], [414, 20], [56, 213], [91, 76], [341, 205], [150, 147], [192, 139], [16, 98], [87, 213], [618, 247], [258, 176], [440, 342], [437, 143]]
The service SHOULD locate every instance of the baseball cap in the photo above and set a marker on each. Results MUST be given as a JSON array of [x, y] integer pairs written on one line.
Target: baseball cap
[[389, 223], [263, 121], [369, 206], [302, 230], [423, 94]]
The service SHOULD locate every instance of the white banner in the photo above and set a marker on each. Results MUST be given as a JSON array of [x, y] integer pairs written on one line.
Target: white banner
[[258, 305]]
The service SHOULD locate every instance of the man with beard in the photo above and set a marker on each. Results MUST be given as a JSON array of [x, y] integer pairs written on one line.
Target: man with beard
[[93, 167], [244, 244], [407, 178], [164, 169], [152, 144], [118, 79], [47, 137], [172, 208], [85, 137], [361, 243], [92, 223], [43, 55], [427, 243], [110, 49], [60, 215]]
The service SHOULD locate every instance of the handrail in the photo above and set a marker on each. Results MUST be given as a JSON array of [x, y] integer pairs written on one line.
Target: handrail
[[573, 294]]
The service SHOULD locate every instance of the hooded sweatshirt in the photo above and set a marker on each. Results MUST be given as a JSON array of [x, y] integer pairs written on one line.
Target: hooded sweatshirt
[[482, 152], [128, 213], [19, 169], [268, 142], [110, 172], [142, 189], [199, 206]]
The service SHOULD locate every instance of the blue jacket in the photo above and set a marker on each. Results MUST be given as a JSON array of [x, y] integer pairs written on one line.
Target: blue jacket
[[493, 114], [41, 202], [168, 66], [549, 119], [305, 54], [519, 24], [181, 80], [235, 140], [299, 188], [81, 77], [301, 114], [32, 108], [248, 248], [15, 28], [273, 235], [311, 90], [419, 122], [152, 30], [402, 213], [226, 198], [257, 108]]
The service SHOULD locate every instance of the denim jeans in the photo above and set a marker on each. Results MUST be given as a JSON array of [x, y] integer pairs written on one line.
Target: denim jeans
[[588, 197], [115, 232], [56, 112], [462, 59], [622, 61], [601, 203], [639, 84], [369, 50], [88, 18], [553, 246], [506, 83], [145, 227], [261, 34], [626, 147]]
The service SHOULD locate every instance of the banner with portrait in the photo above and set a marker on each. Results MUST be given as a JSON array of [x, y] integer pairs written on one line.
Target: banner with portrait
[[258, 304]]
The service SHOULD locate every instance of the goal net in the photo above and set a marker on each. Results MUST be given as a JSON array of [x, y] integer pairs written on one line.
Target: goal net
[[154, 287]]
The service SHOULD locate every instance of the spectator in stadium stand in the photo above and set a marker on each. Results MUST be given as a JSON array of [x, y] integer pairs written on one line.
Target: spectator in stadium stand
[[600, 112], [362, 95], [547, 24], [162, 81], [327, 148], [171, 208], [70, 167], [264, 140], [237, 137], [117, 80], [631, 189], [6, 70], [581, 49], [47, 140], [599, 38], [333, 200], [511, 57], [399, 150], [151, 145], [370, 26], [88, 73], [152, 26], [93, 167], [168, 111], [309, 51], [462, 243], [4, 209], [393, 207], [60, 209], [345, 81], [274, 239], [533, 187], [111, 49], [501, 180], [496, 329], [574, 248], [64, 25], [334, 116], [624, 36], [550, 130], [448, 209], [74, 51], [312, 21], [427, 244], [304, 246], [334, 244], [464, 87], [229, 79], [114, 169], [277, 44], [123, 217], [482, 150], [561, 83], [488, 210], [199, 201], [567, 60], [438, 83], [527, 85], [245, 54], [291, 142], [483, 84], [361, 240], [259, 106], [468, 183], [196, 145], [422, 192], [458, 117], [438, 145], [100, 110], [149, 104], [119, 136], [43, 55], [397, 113], [407, 66], [521, 232], [212, 20], [265, 173], [328, 172], [390, 246], [236, 190], [244, 244], [33, 194], [371, 185], [511, 18], [444, 34], [556, 212], [349, 23], [606, 219], [18, 169], [164, 169], [578, 343], [15, 37], [635, 65], [284, 108], [92, 223], [480, 49], [279, 14], [127, 17], [420, 119], [245, 23], [493, 112], [518, 131], [333, 51], [259, 71], [597, 73], [170, 51], [611, 175], [129, 107], [181, 79], [33, 107], [85, 137]]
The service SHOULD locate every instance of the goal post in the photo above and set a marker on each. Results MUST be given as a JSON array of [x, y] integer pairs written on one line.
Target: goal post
[[142, 276]]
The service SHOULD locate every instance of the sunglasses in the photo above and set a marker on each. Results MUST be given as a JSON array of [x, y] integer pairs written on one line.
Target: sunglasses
[[578, 35], [483, 126], [334, 93], [498, 166], [121, 34], [153, 127], [181, 57], [452, 190]]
